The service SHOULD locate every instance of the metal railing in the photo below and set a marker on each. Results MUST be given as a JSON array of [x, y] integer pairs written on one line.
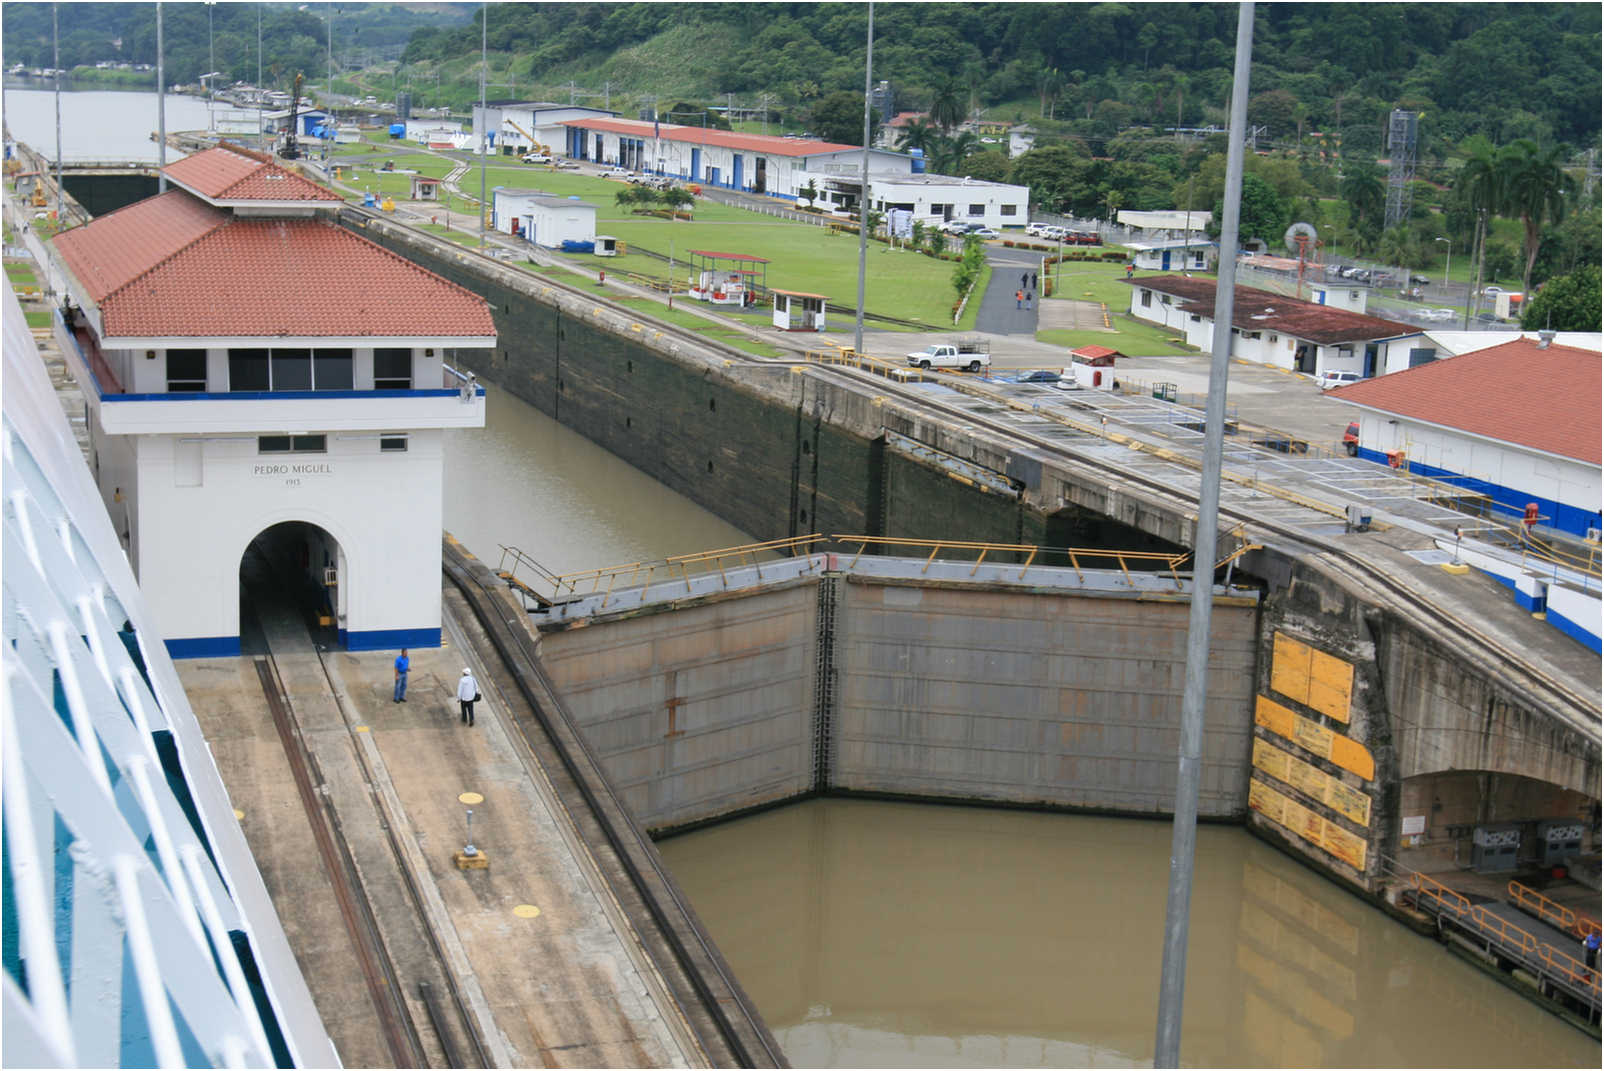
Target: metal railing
[[1556, 915], [682, 567], [1122, 559]]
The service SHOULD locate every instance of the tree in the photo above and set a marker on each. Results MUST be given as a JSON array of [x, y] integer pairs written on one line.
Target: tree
[[1365, 193], [674, 198], [987, 167], [810, 191], [919, 134], [1567, 303], [1054, 173], [838, 117], [1482, 182], [1534, 189], [1263, 215], [947, 107]]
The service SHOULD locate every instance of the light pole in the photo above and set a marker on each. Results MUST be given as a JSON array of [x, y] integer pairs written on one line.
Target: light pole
[[211, 59], [1448, 267]]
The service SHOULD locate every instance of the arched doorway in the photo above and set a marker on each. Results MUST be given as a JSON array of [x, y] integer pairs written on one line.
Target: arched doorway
[[289, 583]]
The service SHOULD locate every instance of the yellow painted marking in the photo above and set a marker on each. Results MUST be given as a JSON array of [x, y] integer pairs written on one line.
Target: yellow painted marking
[[470, 798], [1291, 815], [1312, 677], [361, 728], [1312, 781], [526, 911], [239, 815], [1312, 736]]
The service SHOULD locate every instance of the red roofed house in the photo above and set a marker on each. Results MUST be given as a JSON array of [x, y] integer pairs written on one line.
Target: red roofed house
[[1273, 329], [1518, 422], [262, 381], [758, 163]]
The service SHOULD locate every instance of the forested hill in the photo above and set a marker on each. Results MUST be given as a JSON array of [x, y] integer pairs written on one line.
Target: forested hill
[[1504, 70]]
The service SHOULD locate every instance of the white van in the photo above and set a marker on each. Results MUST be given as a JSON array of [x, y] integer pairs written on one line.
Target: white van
[[1328, 379]]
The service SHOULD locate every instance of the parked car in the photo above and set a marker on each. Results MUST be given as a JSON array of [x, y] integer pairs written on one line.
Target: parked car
[[1492, 291], [1350, 439], [1040, 375], [565, 164], [985, 233], [1332, 378], [1038, 230], [617, 172], [536, 158], [1419, 280]]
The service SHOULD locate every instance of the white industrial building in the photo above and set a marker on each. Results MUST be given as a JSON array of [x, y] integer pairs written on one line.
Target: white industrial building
[[1437, 345], [543, 218], [1273, 329], [262, 381], [518, 127], [756, 163], [1165, 223], [939, 198], [1518, 422]]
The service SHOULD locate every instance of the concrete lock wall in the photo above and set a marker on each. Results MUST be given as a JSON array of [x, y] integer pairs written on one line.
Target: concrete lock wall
[[942, 691], [1035, 698], [700, 711]]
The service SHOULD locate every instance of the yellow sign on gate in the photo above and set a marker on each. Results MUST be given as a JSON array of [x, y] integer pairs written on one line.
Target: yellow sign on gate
[[1317, 680]]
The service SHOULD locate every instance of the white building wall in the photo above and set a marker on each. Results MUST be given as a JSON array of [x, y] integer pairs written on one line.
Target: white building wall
[[995, 199], [383, 509], [1160, 309], [1575, 483], [556, 224]]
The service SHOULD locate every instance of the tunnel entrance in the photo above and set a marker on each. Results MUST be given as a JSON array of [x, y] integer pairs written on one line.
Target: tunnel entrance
[[289, 580]]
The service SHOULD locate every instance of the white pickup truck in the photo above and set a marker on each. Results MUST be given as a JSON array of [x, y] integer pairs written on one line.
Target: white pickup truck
[[972, 355]]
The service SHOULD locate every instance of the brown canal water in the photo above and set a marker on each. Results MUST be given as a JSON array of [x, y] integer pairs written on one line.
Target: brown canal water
[[875, 934]]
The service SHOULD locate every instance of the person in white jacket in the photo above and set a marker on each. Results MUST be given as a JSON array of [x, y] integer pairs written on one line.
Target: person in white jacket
[[467, 694]]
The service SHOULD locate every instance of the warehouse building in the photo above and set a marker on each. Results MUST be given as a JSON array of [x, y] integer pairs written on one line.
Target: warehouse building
[[544, 219], [515, 127]]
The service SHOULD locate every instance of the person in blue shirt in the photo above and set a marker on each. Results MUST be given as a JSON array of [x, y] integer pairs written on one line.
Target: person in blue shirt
[[1590, 950], [402, 665]]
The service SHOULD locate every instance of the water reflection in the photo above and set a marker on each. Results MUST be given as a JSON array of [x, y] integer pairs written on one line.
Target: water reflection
[[896, 935]]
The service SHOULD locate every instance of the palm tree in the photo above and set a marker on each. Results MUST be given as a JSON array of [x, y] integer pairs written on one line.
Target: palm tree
[[1362, 189], [947, 107], [959, 148], [810, 191], [1534, 187], [1048, 83], [918, 134], [1482, 180]]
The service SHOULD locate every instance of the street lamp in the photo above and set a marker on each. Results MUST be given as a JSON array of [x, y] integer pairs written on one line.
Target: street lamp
[[1448, 267]]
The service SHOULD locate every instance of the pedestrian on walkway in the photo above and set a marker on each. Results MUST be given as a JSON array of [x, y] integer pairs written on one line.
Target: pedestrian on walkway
[[1033, 276], [1024, 280], [402, 665], [1590, 950], [1019, 299], [467, 694], [1027, 300]]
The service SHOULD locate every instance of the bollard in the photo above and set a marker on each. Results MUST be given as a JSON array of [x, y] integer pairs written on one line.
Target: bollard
[[601, 277]]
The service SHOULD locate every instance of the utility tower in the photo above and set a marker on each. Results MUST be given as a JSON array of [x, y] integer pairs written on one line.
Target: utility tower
[[1402, 134]]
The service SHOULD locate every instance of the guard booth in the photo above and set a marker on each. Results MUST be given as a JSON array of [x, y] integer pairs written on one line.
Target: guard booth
[[606, 245], [728, 278], [798, 311], [425, 188]]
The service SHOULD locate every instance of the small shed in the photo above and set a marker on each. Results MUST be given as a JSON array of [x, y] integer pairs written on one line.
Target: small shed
[[425, 188], [565, 223], [727, 278], [606, 245], [1095, 356], [795, 310]]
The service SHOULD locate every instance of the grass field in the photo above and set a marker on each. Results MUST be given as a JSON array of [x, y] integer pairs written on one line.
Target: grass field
[[38, 319], [1101, 282]]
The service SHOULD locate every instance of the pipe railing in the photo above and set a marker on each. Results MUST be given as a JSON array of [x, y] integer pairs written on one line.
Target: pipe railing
[[1123, 559]]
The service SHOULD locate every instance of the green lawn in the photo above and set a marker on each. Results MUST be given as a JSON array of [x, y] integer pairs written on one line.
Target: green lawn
[[21, 274], [691, 322], [1130, 336], [38, 319]]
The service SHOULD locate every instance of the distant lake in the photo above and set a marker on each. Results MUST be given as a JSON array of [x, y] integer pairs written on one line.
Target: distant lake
[[97, 124]]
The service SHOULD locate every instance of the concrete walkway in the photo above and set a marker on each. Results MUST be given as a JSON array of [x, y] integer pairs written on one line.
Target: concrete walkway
[[545, 965], [1000, 313]]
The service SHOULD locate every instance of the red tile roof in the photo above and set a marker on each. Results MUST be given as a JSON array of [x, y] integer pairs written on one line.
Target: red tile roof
[[258, 277], [231, 173], [1543, 399], [1261, 310], [107, 252], [767, 144], [1094, 352]]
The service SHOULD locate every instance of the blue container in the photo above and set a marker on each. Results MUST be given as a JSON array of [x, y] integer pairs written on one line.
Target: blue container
[[398, 130]]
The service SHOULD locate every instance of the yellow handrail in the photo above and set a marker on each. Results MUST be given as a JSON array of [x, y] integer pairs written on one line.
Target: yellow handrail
[[935, 546], [1504, 929], [679, 565], [1562, 918], [1569, 968], [1444, 896]]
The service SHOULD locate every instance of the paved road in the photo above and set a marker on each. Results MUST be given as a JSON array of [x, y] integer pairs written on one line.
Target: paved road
[[1000, 313]]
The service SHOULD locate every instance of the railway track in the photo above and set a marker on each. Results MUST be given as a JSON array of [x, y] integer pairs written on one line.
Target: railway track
[[721, 1017], [448, 1019]]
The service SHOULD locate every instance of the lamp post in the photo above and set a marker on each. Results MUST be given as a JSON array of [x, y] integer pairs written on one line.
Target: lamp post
[[1448, 267]]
